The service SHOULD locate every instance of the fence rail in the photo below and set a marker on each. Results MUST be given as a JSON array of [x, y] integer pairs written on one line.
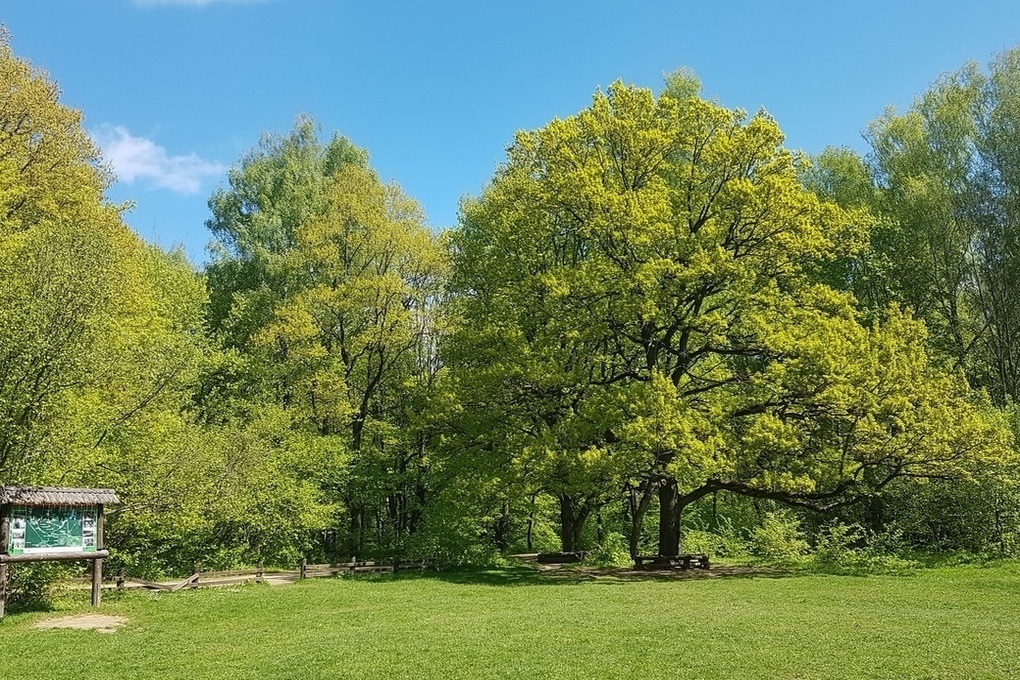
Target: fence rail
[[233, 577]]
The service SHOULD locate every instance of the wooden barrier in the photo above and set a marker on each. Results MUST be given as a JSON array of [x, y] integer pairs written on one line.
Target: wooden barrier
[[233, 577], [355, 566], [204, 579]]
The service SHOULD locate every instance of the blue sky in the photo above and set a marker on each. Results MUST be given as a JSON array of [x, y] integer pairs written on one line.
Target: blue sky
[[178, 90]]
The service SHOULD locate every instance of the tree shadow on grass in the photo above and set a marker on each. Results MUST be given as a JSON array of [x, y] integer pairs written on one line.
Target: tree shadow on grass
[[572, 574], [513, 575], [31, 608]]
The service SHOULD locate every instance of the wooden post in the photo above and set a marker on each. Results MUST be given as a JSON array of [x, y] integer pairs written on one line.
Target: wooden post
[[304, 568], [3, 588], [259, 573], [100, 523], [5, 528], [120, 579], [97, 580], [97, 564]]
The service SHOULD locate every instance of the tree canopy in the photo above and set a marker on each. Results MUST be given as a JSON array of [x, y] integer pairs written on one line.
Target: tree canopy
[[653, 302], [640, 292]]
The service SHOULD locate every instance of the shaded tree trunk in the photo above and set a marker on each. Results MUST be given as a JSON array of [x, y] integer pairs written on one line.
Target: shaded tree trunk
[[501, 531], [670, 512], [572, 519], [638, 505], [531, 524], [414, 521], [356, 514]]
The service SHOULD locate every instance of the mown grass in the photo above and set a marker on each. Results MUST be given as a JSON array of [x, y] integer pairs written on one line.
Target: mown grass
[[951, 622]]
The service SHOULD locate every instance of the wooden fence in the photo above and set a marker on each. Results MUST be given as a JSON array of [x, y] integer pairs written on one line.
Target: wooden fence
[[234, 577]]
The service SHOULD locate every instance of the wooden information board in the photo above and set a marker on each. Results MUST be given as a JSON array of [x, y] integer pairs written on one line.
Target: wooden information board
[[52, 523]]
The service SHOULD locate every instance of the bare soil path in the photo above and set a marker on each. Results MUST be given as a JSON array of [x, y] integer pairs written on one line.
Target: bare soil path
[[97, 622]]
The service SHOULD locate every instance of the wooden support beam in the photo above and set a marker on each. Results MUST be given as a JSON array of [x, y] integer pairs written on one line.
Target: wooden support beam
[[51, 556], [188, 582], [148, 584], [97, 581], [5, 528], [3, 588], [97, 564]]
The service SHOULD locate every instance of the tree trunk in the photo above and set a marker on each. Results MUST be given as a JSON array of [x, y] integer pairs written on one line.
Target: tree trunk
[[638, 510], [415, 520], [356, 515], [501, 533], [418, 506], [669, 518], [876, 514], [571, 523], [715, 510], [531, 524]]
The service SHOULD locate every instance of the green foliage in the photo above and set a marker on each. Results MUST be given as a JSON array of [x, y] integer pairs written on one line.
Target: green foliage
[[724, 543], [640, 306], [620, 309], [779, 537], [612, 550], [653, 304], [978, 514], [50, 171], [100, 334], [327, 285], [846, 549], [29, 585], [942, 182], [236, 499], [65, 288], [838, 541]]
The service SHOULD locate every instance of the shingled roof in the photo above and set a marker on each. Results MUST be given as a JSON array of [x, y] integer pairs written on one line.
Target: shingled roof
[[52, 495]]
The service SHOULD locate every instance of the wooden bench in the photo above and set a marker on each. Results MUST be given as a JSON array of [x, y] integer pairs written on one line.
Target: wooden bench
[[688, 561]]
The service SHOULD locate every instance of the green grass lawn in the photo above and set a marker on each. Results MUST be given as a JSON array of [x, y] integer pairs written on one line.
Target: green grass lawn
[[950, 622]]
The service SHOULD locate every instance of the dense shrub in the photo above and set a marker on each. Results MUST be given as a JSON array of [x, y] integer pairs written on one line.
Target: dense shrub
[[29, 584], [779, 537]]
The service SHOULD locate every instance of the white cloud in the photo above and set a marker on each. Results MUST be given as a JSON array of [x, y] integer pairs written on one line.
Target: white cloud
[[140, 159]]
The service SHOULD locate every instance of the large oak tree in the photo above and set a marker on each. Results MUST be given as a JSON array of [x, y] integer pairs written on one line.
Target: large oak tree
[[640, 293]]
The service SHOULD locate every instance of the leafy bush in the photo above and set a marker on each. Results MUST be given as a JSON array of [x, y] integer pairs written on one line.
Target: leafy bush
[[29, 584], [890, 541], [779, 537], [612, 551], [846, 549], [726, 542], [836, 544]]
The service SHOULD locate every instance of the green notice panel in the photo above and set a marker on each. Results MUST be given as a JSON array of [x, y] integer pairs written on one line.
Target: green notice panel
[[52, 529]]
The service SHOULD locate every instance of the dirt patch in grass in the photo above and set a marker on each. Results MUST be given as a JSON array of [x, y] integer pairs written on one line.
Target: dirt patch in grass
[[97, 622]]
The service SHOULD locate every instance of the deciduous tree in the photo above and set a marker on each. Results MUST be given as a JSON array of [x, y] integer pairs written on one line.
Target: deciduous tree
[[639, 283]]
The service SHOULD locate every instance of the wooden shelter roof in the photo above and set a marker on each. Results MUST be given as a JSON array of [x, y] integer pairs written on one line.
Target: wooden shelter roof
[[53, 495]]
